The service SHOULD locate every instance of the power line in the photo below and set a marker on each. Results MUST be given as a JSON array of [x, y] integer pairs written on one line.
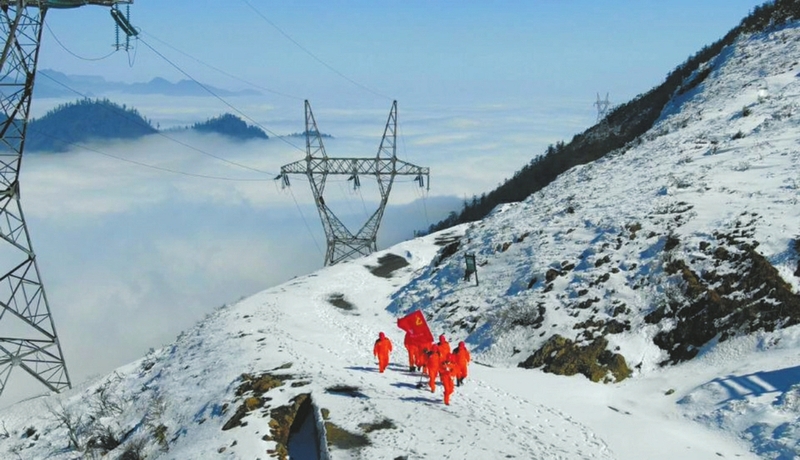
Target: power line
[[313, 56], [137, 121], [131, 57], [297, 205], [423, 193], [146, 165], [222, 71], [74, 54], [207, 89], [218, 97]]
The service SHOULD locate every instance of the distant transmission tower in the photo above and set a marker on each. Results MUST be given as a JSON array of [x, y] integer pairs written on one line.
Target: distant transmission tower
[[28, 338], [602, 107], [343, 244]]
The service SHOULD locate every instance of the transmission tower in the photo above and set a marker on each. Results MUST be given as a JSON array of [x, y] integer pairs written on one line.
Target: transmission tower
[[602, 107], [28, 338], [342, 243]]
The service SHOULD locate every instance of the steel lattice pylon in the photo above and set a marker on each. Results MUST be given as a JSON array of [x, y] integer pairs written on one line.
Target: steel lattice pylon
[[31, 343], [343, 244]]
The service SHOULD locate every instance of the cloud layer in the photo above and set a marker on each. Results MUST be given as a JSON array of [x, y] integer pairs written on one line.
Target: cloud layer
[[131, 255]]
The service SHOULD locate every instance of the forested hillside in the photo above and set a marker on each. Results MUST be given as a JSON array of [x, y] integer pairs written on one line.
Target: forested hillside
[[78, 122], [232, 126]]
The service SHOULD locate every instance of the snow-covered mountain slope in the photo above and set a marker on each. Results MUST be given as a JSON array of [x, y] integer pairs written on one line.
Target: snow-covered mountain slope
[[313, 337], [688, 235], [668, 270]]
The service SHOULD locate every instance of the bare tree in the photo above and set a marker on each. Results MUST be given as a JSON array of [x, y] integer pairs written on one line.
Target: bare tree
[[71, 420]]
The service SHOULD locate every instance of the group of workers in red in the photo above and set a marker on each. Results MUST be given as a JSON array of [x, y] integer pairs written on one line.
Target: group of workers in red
[[432, 359]]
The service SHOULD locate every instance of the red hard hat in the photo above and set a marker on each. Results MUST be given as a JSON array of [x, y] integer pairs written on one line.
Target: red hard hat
[[382, 335]]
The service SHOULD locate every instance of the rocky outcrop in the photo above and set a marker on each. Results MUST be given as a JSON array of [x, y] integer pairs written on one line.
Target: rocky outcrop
[[562, 356], [742, 294]]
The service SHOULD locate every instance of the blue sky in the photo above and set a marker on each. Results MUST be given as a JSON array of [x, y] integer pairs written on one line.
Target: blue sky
[[451, 53]]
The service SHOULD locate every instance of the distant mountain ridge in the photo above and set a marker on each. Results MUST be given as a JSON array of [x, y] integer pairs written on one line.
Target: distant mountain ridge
[[54, 84], [84, 120]]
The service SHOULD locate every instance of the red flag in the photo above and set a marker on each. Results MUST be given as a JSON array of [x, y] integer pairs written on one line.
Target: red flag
[[417, 331]]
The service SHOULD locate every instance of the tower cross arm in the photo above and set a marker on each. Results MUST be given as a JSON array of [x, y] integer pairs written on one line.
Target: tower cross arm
[[295, 167], [349, 166], [408, 169]]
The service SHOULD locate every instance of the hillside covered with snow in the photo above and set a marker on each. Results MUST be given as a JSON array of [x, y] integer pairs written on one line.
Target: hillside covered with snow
[[644, 305]]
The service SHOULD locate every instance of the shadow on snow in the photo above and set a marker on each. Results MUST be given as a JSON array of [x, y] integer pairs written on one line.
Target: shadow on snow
[[759, 383]]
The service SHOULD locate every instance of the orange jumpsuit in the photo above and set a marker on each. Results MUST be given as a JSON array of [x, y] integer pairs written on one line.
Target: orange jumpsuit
[[422, 358], [433, 367], [446, 371], [444, 346], [462, 358], [381, 350], [413, 351]]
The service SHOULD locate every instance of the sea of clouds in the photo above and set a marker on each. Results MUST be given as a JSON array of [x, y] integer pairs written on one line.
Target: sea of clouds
[[136, 241]]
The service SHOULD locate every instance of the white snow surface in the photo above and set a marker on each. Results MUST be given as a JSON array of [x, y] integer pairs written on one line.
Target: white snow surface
[[691, 174]]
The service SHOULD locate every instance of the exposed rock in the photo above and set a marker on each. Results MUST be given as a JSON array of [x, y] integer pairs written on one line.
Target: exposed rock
[[387, 264], [282, 418], [613, 326], [338, 301], [534, 280], [447, 251], [562, 356], [254, 387], [671, 242], [750, 296], [384, 424], [587, 303], [602, 261], [551, 275], [796, 245], [346, 390], [446, 239], [633, 228], [343, 439]]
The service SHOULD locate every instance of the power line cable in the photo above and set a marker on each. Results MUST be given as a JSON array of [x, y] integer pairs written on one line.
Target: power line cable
[[218, 97], [132, 58], [313, 238], [146, 165], [254, 85], [423, 194], [72, 53], [159, 168], [363, 204], [313, 56], [139, 122]]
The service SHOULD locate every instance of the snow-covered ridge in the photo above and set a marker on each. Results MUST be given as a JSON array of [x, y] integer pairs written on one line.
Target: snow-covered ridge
[[711, 190], [619, 250]]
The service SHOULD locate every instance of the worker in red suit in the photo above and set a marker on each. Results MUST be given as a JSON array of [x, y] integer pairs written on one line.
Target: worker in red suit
[[413, 351], [444, 346], [422, 358], [462, 358], [381, 350], [447, 370], [433, 366]]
